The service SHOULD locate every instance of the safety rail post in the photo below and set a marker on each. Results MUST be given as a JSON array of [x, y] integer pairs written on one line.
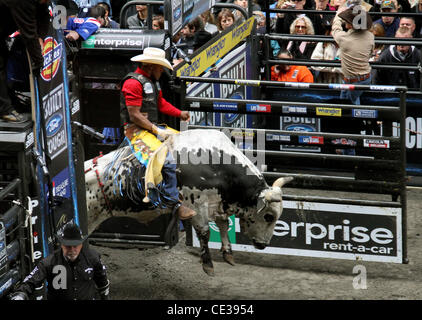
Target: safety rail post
[[403, 195]]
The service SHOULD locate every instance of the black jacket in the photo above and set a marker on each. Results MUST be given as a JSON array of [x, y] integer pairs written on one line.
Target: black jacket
[[84, 277], [398, 77], [32, 19]]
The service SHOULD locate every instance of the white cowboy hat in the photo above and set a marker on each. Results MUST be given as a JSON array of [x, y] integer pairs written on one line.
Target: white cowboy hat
[[153, 56]]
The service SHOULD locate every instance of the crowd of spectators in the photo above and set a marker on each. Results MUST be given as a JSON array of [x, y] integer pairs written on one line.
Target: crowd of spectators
[[212, 22]]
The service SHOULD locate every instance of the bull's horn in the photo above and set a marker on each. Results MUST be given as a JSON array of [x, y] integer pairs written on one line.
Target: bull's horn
[[282, 181]]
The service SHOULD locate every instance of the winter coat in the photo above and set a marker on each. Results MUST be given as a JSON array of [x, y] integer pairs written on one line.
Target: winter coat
[[409, 78]]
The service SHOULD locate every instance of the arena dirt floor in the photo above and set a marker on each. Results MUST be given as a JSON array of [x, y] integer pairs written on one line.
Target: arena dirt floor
[[160, 274]]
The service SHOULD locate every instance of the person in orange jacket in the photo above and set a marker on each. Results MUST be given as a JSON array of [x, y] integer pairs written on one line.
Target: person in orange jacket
[[290, 73]]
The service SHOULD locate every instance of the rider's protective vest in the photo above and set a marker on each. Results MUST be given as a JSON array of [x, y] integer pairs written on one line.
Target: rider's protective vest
[[150, 93]]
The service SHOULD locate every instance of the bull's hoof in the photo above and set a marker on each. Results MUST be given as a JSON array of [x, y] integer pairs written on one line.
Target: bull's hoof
[[208, 269], [228, 257]]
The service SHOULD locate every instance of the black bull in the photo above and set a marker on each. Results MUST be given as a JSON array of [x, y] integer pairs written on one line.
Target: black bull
[[214, 177]]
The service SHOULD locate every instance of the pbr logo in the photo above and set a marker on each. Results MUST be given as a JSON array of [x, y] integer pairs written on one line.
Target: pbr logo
[[52, 53]]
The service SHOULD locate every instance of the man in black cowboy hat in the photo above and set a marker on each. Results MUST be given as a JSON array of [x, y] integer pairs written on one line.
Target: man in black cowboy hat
[[73, 272]]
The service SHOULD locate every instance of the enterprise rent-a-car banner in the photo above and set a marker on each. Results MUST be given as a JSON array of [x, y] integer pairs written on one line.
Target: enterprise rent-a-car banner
[[327, 231]]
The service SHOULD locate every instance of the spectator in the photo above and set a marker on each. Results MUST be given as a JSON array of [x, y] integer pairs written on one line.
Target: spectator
[[378, 31], [390, 24], [327, 51], [244, 4], [187, 40], [402, 5], [409, 22], [351, 3], [400, 54], [86, 5], [109, 23], [71, 6], [356, 45], [193, 37], [290, 73], [158, 22], [301, 49], [260, 29], [323, 5], [77, 28], [285, 20], [32, 19], [225, 19], [138, 20], [208, 19], [418, 20]]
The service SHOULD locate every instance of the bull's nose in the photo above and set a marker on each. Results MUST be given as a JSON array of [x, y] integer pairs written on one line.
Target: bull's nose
[[259, 245]]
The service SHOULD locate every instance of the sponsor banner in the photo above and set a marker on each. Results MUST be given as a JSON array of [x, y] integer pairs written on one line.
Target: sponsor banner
[[54, 115], [52, 129], [233, 65], [311, 139], [376, 143], [258, 108], [52, 53], [297, 84], [297, 124], [294, 109], [225, 106], [332, 112], [29, 140], [344, 142], [413, 133], [382, 88], [337, 86], [277, 137], [123, 39], [326, 230], [215, 232], [363, 113], [217, 50]]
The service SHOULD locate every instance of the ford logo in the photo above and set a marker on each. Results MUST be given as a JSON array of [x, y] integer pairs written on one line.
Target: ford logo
[[230, 117], [177, 13], [301, 127], [54, 125]]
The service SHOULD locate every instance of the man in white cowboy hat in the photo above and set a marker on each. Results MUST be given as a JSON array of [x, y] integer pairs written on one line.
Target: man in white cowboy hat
[[140, 104], [73, 272]]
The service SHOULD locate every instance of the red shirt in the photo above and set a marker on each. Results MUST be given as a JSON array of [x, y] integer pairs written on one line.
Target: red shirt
[[132, 91]]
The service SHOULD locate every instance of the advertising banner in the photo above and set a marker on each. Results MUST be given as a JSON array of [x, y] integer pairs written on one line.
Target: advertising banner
[[326, 230], [125, 39], [216, 51], [181, 12], [413, 114], [235, 65], [299, 123], [54, 139]]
